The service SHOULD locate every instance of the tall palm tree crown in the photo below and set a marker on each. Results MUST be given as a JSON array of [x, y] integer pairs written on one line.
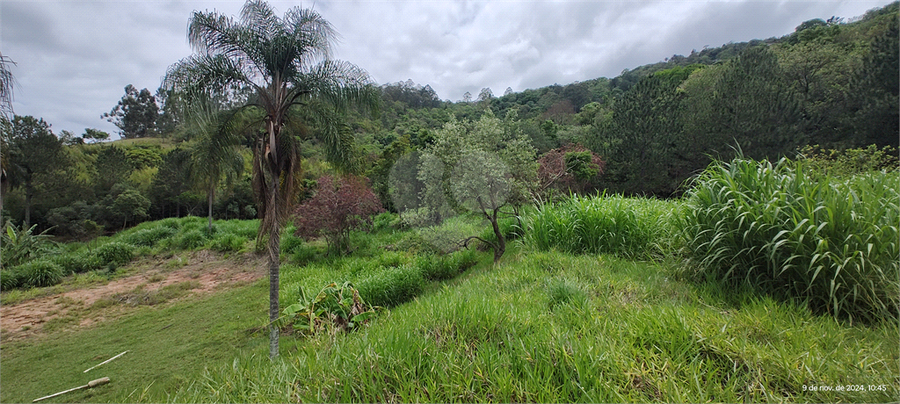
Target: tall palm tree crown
[[287, 64]]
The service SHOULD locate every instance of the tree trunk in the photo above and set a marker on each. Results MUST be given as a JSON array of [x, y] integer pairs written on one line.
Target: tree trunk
[[211, 195], [29, 193], [274, 250], [501, 241]]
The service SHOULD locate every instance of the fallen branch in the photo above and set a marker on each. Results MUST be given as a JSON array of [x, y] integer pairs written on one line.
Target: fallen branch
[[90, 385], [105, 362]]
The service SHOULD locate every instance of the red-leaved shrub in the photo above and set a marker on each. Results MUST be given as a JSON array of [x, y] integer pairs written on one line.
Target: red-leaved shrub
[[567, 169], [339, 205]]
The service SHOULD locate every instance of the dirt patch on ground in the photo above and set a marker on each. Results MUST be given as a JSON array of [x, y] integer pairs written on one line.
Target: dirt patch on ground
[[196, 273]]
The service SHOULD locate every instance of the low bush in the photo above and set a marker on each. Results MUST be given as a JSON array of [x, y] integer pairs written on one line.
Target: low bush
[[39, 273], [441, 267], [391, 286], [829, 242], [76, 262], [190, 240], [149, 237], [226, 242], [116, 253], [10, 279], [386, 221]]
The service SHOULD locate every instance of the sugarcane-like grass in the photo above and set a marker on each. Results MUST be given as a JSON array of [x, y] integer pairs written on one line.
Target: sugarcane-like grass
[[830, 243]]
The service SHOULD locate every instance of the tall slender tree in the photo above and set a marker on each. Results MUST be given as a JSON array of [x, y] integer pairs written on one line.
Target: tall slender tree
[[287, 62], [215, 155]]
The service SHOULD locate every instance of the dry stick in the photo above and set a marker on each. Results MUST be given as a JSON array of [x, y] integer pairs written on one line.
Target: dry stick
[[106, 361], [91, 384]]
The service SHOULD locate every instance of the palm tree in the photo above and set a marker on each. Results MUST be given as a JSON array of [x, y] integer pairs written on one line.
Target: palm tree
[[296, 85], [6, 86], [216, 152], [6, 116]]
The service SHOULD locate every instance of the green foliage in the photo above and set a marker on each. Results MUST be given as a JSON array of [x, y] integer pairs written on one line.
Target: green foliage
[[442, 267], [113, 253], [149, 237], [392, 286], [563, 290], [19, 245], [135, 114], [631, 227], [385, 221], [190, 240], [10, 279], [39, 273], [76, 262], [843, 163], [227, 242], [338, 308], [830, 242]]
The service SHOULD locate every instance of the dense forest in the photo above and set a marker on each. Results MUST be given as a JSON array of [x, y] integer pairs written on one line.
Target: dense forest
[[828, 85]]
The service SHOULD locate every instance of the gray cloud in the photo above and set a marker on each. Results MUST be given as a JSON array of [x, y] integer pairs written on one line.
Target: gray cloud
[[75, 58]]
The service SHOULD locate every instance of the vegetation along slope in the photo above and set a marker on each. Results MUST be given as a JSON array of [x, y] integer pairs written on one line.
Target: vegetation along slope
[[721, 226]]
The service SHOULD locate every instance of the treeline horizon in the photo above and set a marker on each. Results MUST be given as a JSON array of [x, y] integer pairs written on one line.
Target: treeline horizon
[[827, 85]]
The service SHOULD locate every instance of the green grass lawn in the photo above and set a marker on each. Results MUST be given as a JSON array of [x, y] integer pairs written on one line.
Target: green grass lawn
[[169, 345]]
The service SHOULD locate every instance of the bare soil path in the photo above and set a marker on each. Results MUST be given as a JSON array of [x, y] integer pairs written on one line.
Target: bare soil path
[[188, 274]]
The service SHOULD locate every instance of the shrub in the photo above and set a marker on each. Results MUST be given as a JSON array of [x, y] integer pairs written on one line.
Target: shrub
[[571, 168], [629, 227], [441, 267], [149, 237], [39, 273], [832, 243], [191, 239], [385, 221], [290, 243], [227, 242], [10, 279], [75, 263], [339, 307], [19, 245], [391, 286], [340, 204], [116, 253]]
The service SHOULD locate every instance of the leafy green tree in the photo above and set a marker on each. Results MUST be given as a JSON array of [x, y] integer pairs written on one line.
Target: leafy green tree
[[135, 114], [94, 135], [878, 121], [33, 151], [296, 85], [112, 167], [171, 181], [483, 166]]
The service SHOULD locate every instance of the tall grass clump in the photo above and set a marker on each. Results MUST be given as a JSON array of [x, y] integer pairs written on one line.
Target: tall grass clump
[[391, 286], [833, 243], [605, 224]]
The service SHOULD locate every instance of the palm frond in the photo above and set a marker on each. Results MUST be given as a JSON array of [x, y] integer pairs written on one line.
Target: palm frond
[[206, 74]]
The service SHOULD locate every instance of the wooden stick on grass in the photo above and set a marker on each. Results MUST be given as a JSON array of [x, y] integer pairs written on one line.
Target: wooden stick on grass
[[105, 362], [91, 384]]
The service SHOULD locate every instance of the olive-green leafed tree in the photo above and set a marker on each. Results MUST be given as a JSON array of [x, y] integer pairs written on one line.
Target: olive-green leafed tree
[[296, 86]]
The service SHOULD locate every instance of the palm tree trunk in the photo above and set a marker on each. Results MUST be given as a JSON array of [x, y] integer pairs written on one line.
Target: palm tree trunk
[[211, 195], [29, 194], [274, 250]]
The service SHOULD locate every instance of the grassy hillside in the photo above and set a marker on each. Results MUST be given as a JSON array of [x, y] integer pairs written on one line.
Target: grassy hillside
[[541, 326]]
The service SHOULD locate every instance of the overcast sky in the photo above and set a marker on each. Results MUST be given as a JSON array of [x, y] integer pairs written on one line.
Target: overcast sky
[[74, 58]]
